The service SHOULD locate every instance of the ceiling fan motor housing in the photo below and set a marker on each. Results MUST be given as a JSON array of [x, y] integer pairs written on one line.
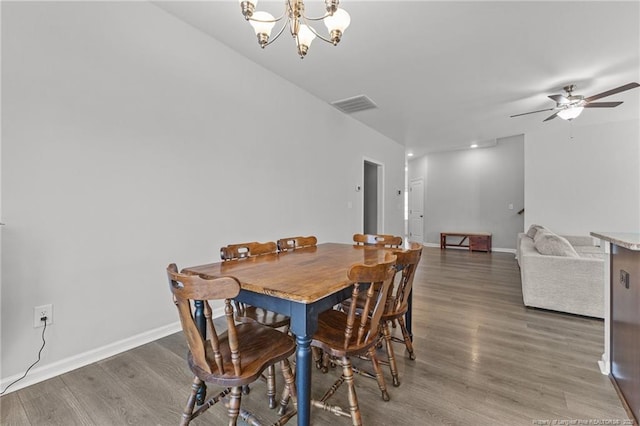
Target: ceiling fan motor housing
[[573, 101]]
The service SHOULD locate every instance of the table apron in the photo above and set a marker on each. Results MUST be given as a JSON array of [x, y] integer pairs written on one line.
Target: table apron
[[304, 316]]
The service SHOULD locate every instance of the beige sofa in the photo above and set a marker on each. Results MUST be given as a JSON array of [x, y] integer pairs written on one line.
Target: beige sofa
[[561, 273]]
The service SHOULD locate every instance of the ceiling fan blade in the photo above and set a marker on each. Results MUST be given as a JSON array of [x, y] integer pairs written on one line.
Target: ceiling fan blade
[[559, 99], [602, 104], [627, 86], [532, 112], [551, 117]]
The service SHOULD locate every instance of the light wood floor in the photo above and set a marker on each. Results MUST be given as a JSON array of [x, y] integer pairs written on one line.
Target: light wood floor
[[482, 359]]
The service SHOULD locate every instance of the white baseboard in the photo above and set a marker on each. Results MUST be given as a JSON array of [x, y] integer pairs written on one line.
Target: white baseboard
[[500, 250], [57, 368], [605, 366], [505, 250]]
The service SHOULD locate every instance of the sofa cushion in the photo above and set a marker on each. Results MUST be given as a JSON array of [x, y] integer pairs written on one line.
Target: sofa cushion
[[540, 233], [533, 230], [551, 244]]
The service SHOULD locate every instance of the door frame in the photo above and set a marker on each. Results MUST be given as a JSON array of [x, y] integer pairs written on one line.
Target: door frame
[[380, 193]]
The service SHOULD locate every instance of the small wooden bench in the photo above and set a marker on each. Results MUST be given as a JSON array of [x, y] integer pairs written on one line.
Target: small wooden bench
[[480, 241]]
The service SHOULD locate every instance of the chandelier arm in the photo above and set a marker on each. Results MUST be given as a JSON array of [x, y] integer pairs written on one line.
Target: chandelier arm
[[313, 30], [251, 18], [320, 18], [277, 35]]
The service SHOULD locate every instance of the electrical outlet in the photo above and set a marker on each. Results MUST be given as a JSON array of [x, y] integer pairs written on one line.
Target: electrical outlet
[[42, 311]]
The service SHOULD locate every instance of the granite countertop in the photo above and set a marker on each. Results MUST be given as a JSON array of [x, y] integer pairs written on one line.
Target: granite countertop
[[630, 240]]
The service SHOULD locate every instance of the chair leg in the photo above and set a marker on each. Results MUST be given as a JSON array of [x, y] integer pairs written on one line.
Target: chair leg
[[326, 360], [317, 356], [271, 386], [407, 338], [191, 402], [289, 391], [284, 400], [390, 354], [379, 377], [289, 380], [354, 408], [233, 411]]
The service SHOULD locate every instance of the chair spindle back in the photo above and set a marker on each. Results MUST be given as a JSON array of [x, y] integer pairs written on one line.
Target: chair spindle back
[[377, 240], [406, 264], [239, 251], [187, 288], [371, 286], [293, 243]]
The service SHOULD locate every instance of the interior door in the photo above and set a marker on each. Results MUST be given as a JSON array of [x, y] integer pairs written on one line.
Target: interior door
[[416, 210]]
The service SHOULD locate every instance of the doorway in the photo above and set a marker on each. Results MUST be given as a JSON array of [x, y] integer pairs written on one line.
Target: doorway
[[416, 210], [373, 198]]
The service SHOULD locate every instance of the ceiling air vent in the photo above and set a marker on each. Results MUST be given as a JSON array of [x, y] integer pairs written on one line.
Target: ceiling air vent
[[356, 103]]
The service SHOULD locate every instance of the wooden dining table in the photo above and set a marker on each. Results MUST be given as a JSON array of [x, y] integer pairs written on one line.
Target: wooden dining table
[[301, 284]]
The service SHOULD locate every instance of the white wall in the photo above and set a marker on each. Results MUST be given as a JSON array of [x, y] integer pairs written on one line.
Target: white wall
[[127, 146], [588, 183], [470, 191]]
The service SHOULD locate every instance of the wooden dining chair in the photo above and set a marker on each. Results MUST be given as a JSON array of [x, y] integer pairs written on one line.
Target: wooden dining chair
[[377, 240], [346, 334], [292, 243], [247, 313], [397, 304], [231, 359]]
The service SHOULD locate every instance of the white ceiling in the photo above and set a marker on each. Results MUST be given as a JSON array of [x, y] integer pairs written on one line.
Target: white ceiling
[[445, 74]]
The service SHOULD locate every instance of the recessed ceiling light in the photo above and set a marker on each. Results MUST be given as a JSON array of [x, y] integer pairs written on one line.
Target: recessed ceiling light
[[410, 154], [475, 145]]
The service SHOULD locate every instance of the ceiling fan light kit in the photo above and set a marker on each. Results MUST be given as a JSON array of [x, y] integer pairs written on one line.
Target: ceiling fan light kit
[[569, 106], [335, 19], [570, 113]]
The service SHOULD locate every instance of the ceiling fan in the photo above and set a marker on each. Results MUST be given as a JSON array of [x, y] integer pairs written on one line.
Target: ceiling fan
[[569, 106]]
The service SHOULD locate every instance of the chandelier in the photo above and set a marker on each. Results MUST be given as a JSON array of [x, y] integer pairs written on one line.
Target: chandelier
[[335, 19]]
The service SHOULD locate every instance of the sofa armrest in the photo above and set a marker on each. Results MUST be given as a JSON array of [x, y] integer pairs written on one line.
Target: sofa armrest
[[519, 242]]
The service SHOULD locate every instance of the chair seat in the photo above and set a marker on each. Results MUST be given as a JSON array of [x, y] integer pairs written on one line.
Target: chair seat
[[263, 316], [260, 347], [330, 336]]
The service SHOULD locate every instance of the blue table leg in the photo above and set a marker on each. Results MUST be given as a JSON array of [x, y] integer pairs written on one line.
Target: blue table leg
[[303, 379]]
